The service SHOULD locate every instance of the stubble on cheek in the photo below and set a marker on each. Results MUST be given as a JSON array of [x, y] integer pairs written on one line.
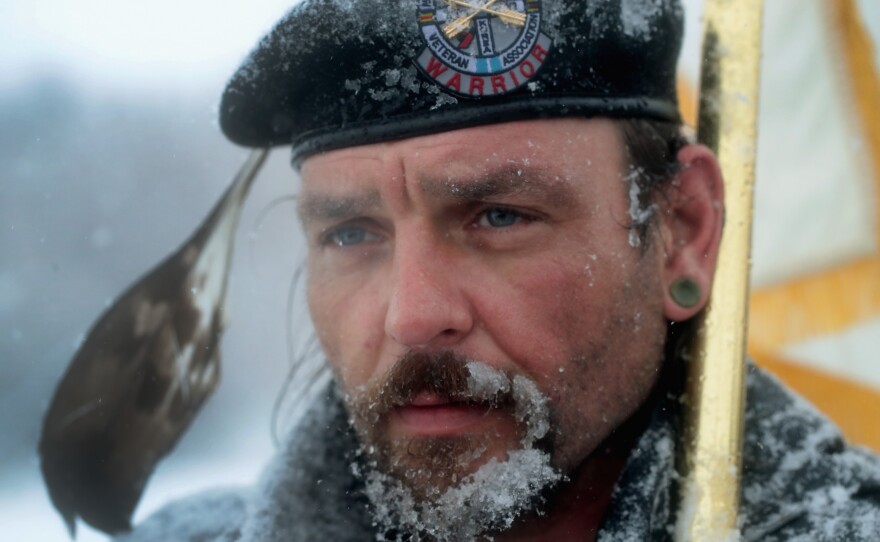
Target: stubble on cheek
[[616, 351]]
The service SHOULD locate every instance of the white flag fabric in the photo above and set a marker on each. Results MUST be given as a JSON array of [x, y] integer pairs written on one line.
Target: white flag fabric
[[815, 308]]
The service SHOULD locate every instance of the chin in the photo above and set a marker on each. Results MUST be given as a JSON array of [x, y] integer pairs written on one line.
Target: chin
[[457, 488], [429, 465]]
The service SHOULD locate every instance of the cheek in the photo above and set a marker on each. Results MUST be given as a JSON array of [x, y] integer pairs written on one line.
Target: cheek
[[593, 341], [614, 368], [348, 322], [537, 311], [510, 317]]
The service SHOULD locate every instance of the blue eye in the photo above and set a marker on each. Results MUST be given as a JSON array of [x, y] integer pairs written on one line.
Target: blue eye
[[499, 218], [350, 236]]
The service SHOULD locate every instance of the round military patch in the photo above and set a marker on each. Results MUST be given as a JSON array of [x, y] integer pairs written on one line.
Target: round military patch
[[479, 48]]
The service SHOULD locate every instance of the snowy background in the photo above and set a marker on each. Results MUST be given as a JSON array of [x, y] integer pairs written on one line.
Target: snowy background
[[110, 155]]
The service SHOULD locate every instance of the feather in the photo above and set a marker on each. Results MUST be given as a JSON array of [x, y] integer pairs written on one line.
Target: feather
[[141, 375]]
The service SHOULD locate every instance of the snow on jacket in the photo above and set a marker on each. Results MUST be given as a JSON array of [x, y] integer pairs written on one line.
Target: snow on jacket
[[801, 482]]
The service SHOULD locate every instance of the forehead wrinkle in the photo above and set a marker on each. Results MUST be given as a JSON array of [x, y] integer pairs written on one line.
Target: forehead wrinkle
[[507, 180], [316, 207]]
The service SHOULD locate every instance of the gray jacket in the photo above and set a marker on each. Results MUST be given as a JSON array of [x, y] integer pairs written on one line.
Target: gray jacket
[[800, 482]]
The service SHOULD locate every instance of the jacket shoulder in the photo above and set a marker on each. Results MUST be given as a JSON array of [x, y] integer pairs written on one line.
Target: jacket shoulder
[[801, 481], [215, 515]]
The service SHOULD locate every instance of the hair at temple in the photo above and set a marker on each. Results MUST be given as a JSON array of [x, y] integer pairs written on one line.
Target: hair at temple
[[652, 148]]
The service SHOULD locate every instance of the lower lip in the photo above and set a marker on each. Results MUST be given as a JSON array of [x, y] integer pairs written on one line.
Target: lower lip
[[439, 420]]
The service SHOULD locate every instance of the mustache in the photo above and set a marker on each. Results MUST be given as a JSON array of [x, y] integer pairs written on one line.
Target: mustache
[[446, 374]]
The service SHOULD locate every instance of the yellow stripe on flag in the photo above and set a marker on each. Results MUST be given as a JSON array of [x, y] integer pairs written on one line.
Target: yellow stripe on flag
[[842, 400]]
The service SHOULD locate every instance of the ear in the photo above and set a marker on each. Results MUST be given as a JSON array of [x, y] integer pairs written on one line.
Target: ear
[[692, 215]]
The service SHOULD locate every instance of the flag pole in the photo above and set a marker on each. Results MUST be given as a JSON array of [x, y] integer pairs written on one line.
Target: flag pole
[[714, 406]]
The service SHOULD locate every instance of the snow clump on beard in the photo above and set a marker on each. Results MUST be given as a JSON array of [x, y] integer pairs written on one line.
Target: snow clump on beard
[[438, 502]]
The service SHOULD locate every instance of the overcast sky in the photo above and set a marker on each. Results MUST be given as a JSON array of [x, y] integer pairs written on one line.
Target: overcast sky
[[132, 44]]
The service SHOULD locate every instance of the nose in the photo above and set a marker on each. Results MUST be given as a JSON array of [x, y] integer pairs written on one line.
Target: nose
[[427, 308]]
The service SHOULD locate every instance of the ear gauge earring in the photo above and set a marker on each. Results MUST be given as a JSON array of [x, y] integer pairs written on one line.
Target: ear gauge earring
[[685, 292]]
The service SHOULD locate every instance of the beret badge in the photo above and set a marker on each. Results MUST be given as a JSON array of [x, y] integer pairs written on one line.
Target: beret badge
[[477, 48]]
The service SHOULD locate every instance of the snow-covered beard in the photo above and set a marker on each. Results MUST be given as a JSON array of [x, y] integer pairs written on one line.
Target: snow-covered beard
[[426, 488]]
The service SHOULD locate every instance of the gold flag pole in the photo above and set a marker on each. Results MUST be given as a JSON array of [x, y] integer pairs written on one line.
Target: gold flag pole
[[729, 89]]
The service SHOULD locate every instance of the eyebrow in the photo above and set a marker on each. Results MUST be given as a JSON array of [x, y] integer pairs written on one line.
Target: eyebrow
[[321, 207], [506, 181]]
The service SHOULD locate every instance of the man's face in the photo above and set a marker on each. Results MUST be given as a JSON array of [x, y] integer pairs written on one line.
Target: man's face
[[506, 244]]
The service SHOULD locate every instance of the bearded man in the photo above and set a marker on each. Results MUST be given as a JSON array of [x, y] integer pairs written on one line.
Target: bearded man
[[508, 235]]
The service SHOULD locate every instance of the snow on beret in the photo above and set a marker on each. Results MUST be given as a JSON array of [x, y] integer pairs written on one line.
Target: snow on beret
[[339, 73]]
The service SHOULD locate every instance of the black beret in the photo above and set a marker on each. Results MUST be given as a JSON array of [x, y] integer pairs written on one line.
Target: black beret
[[338, 73]]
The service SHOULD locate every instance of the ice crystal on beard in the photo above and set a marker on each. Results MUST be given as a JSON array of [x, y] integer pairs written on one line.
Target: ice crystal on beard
[[485, 382], [488, 500], [531, 408]]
